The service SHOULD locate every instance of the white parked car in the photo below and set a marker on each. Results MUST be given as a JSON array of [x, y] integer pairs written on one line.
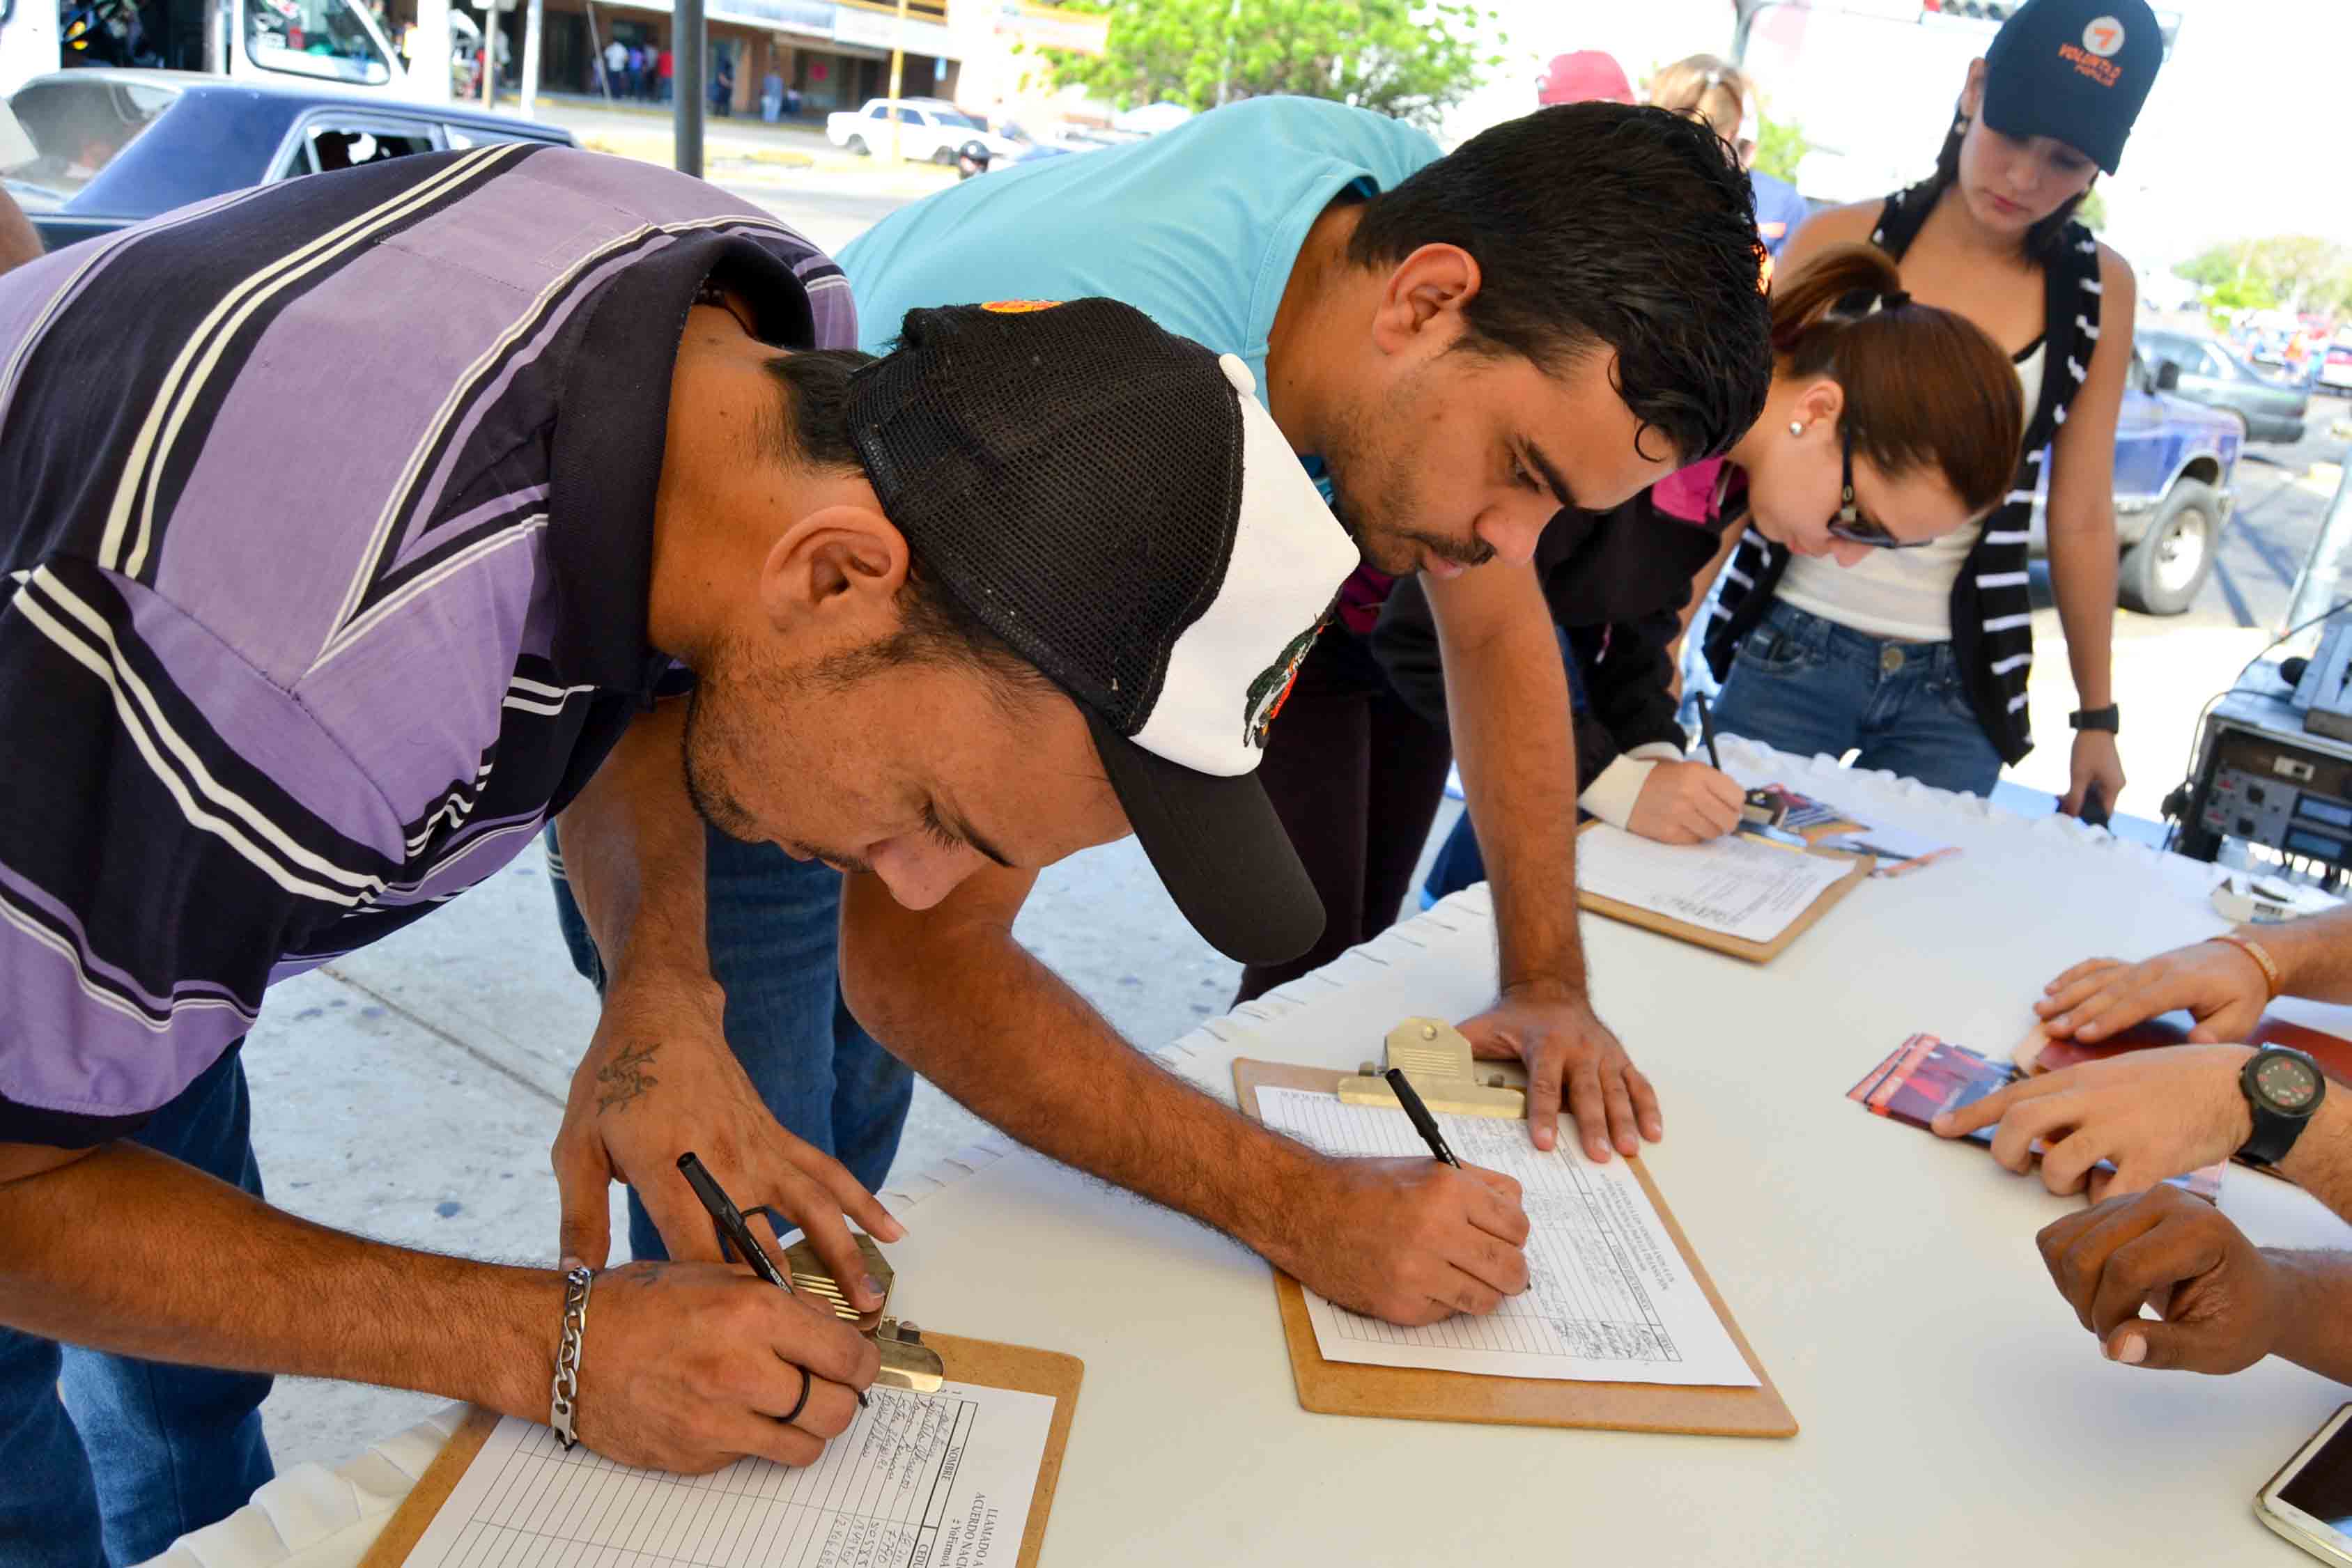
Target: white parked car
[[929, 129]]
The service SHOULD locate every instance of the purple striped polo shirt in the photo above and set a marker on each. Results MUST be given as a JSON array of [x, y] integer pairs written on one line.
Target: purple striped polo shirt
[[326, 540]]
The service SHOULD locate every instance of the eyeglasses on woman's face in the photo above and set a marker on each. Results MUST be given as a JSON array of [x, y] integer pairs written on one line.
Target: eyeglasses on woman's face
[[1850, 525]]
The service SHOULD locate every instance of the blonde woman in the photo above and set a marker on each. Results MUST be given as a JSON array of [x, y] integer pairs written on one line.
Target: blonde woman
[[1713, 90]]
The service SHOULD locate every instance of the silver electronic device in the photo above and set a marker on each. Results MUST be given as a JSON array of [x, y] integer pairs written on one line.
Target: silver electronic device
[[2323, 696], [2309, 1501], [2269, 771]]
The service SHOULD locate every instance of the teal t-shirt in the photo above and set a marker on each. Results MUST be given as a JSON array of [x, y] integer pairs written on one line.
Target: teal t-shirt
[[1197, 227]]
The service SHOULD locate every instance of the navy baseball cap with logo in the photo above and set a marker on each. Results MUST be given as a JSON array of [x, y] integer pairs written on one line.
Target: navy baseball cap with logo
[[2076, 70], [1114, 502]]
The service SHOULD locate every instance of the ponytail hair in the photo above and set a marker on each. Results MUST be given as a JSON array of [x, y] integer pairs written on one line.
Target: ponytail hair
[[1707, 88], [1924, 388]]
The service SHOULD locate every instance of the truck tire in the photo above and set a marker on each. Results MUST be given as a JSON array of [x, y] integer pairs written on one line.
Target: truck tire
[[856, 145], [944, 155], [2162, 574]]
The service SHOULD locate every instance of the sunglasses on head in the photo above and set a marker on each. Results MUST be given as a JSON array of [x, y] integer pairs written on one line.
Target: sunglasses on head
[[1850, 525]]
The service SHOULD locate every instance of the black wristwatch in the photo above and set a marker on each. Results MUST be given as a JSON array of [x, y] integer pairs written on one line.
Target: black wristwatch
[[2282, 1089], [2109, 718]]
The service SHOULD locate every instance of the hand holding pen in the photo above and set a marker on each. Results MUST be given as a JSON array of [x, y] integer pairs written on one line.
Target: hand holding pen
[[729, 1220]]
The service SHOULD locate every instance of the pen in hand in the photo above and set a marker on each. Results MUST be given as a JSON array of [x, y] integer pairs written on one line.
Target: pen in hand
[[729, 1220], [1418, 1114], [1706, 732]]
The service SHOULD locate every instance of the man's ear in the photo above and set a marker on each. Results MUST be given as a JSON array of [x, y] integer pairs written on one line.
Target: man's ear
[[1972, 90], [838, 565], [1422, 303]]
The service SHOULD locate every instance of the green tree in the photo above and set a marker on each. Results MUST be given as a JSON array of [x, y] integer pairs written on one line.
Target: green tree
[[1780, 146], [2301, 273], [1413, 61], [2092, 213]]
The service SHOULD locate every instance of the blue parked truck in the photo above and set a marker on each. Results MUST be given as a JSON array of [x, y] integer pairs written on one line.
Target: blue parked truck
[[2176, 468]]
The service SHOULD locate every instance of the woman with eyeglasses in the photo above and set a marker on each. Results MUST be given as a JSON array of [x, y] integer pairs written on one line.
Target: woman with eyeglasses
[[1920, 657], [1889, 425]]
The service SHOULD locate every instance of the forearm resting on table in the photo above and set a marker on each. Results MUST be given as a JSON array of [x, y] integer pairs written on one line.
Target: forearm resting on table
[[950, 991], [2314, 954], [126, 1250], [633, 853], [2321, 1161], [2317, 1327], [1507, 692]]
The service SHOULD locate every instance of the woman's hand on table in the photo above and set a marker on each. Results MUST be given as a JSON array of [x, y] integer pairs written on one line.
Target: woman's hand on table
[[1685, 803], [2095, 760], [2221, 985], [2152, 1115], [2224, 1304], [1574, 1064]]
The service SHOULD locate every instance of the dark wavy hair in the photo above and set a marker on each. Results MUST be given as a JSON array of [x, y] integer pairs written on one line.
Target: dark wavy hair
[[1596, 224]]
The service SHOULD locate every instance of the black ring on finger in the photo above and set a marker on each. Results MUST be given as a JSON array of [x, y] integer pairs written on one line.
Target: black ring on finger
[[801, 1403]]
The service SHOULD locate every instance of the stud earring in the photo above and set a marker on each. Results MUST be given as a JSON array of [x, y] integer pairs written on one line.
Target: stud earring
[[1796, 427]]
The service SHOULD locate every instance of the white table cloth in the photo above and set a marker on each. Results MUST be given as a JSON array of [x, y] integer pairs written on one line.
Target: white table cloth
[[1952, 1409]]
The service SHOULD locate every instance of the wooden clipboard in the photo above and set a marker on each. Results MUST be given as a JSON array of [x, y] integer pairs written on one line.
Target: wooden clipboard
[[1413, 1393], [1738, 947], [974, 1361]]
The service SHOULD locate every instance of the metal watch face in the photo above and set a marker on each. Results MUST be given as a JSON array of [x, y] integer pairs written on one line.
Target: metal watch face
[[2288, 1083]]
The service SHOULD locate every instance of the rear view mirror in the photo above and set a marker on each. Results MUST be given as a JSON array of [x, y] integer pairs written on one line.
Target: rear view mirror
[[2167, 375]]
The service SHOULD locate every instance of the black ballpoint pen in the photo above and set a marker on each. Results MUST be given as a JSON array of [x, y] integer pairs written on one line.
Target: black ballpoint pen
[[1706, 733], [1418, 1114], [729, 1220]]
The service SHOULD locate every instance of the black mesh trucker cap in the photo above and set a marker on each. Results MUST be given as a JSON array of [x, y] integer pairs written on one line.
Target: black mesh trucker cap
[[2077, 70], [1112, 500]]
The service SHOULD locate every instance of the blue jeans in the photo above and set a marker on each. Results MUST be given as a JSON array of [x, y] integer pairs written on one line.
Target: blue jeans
[[1460, 861], [773, 925], [105, 1459], [1805, 685]]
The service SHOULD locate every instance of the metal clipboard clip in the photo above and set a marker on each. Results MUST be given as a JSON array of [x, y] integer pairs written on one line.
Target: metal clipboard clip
[[1445, 1075], [907, 1361]]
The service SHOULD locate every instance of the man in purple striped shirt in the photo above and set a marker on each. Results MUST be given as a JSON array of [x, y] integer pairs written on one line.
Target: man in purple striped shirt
[[356, 527]]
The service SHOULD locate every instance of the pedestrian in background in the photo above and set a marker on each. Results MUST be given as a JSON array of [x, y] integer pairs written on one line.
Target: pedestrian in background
[[1919, 658], [1720, 94], [665, 74], [772, 96]]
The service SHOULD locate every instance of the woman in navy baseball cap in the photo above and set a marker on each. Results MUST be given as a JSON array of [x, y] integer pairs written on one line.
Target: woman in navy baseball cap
[[1919, 658]]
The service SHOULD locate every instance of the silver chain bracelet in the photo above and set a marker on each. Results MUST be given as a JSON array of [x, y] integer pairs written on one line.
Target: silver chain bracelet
[[567, 1358]]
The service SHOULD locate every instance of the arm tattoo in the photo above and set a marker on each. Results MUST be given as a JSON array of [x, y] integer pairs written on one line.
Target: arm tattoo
[[624, 1077]]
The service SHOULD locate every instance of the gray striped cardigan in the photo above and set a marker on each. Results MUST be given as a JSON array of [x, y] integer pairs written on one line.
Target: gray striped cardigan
[[1992, 629]]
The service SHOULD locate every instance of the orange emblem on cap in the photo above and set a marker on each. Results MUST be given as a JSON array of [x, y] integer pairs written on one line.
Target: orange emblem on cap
[[1018, 307]]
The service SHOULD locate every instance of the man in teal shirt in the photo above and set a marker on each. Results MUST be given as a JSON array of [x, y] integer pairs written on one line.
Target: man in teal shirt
[[1559, 313]]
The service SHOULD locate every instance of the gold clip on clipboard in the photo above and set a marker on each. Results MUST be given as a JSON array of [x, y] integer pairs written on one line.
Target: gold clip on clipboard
[[907, 1361], [1444, 1073]]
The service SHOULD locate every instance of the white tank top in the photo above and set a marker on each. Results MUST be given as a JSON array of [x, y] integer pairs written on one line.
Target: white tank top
[[1905, 595]]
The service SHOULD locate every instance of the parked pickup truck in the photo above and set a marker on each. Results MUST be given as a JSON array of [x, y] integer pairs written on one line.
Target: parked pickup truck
[[2175, 464], [929, 129]]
